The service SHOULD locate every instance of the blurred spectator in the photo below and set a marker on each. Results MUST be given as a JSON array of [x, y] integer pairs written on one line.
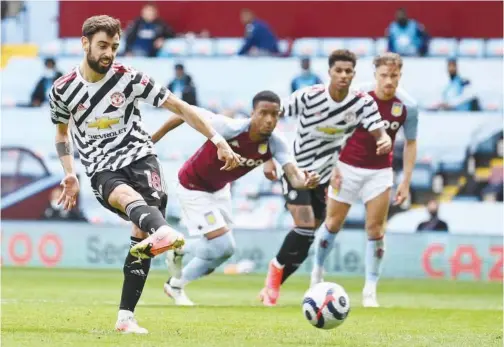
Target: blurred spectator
[[51, 74], [458, 95], [259, 38], [434, 223], [56, 212], [493, 191], [407, 36], [5, 9], [306, 78], [11, 8], [146, 35], [182, 86]]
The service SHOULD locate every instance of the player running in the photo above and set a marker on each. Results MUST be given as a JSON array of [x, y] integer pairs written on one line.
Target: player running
[[327, 116], [204, 191], [98, 101], [361, 173]]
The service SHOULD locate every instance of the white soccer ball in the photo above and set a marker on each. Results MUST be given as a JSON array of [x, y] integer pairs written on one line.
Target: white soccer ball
[[326, 305]]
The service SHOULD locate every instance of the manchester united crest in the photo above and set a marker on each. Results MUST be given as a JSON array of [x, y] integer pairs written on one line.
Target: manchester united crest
[[350, 117], [397, 109], [117, 99]]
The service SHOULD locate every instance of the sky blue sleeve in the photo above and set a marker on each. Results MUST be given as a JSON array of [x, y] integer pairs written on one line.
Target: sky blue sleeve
[[280, 149], [411, 123], [225, 126]]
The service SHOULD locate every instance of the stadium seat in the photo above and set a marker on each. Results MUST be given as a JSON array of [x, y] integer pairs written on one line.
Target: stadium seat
[[381, 45], [202, 47], [491, 101], [494, 48], [284, 46], [176, 47], [329, 45], [465, 198], [442, 47], [306, 47], [72, 47], [53, 49], [421, 178], [361, 46], [471, 48], [228, 46], [357, 214], [12, 31], [463, 217]]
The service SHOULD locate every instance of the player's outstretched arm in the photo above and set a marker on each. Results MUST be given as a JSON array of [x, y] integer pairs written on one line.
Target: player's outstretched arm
[[191, 117], [70, 183], [173, 122], [301, 179]]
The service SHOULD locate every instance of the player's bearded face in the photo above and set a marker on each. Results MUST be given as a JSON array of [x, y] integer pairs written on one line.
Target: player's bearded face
[[341, 73], [387, 78], [100, 63], [101, 51]]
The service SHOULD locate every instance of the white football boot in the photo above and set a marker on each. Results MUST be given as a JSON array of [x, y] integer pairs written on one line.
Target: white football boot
[[369, 299], [177, 294], [174, 287], [127, 324]]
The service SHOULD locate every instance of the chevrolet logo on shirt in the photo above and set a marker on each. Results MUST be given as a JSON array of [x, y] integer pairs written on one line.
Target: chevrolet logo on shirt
[[104, 123], [330, 130]]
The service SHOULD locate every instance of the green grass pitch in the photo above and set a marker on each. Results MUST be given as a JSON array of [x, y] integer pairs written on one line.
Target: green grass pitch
[[54, 307]]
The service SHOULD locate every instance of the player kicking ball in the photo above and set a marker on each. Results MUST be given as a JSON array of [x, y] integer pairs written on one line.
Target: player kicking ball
[[361, 173], [97, 101], [204, 189]]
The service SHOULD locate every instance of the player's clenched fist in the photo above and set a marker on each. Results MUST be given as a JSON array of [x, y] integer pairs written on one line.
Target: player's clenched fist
[[270, 171], [312, 179], [226, 154], [383, 145]]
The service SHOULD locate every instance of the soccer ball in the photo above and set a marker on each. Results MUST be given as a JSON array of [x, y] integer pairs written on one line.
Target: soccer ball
[[326, 305]]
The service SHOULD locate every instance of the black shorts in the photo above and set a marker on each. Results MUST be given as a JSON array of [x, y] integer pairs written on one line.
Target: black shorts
[[316, 198], [143, 175]]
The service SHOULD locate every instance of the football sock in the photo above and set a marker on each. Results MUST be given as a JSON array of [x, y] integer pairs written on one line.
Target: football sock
[[375, 250], [323, 244], [208, 255], [135, 274], [147, 218], [294, 250]]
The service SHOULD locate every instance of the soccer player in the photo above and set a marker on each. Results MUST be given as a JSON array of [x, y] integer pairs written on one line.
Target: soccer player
[[98, 101], [327, 116], [204, 191], [361, 173]]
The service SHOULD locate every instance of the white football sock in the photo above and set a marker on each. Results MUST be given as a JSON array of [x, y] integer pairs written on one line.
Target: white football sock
[[375, 250]]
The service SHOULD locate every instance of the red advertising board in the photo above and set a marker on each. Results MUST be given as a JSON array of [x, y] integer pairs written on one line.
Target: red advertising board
[[300, 19]]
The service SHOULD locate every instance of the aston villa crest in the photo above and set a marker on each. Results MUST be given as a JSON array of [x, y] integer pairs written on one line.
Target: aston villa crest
[[263, 148], [397, 109]]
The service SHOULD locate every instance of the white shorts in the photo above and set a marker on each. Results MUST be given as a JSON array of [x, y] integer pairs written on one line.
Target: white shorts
[[203, 212], [357, 182]]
